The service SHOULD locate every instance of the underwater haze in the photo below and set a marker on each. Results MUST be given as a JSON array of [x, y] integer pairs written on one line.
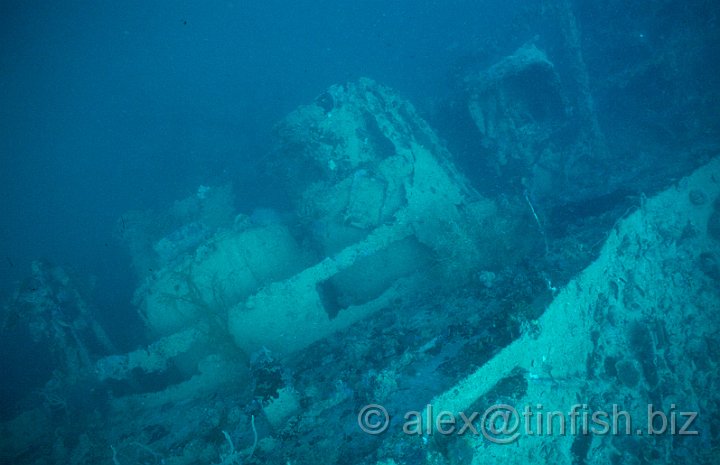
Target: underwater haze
[[111, 106], [226, 224], [108, 107]]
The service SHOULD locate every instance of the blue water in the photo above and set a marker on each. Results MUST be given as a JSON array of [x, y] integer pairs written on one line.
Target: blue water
[[111, 106], [108, 107], [115, 106]]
